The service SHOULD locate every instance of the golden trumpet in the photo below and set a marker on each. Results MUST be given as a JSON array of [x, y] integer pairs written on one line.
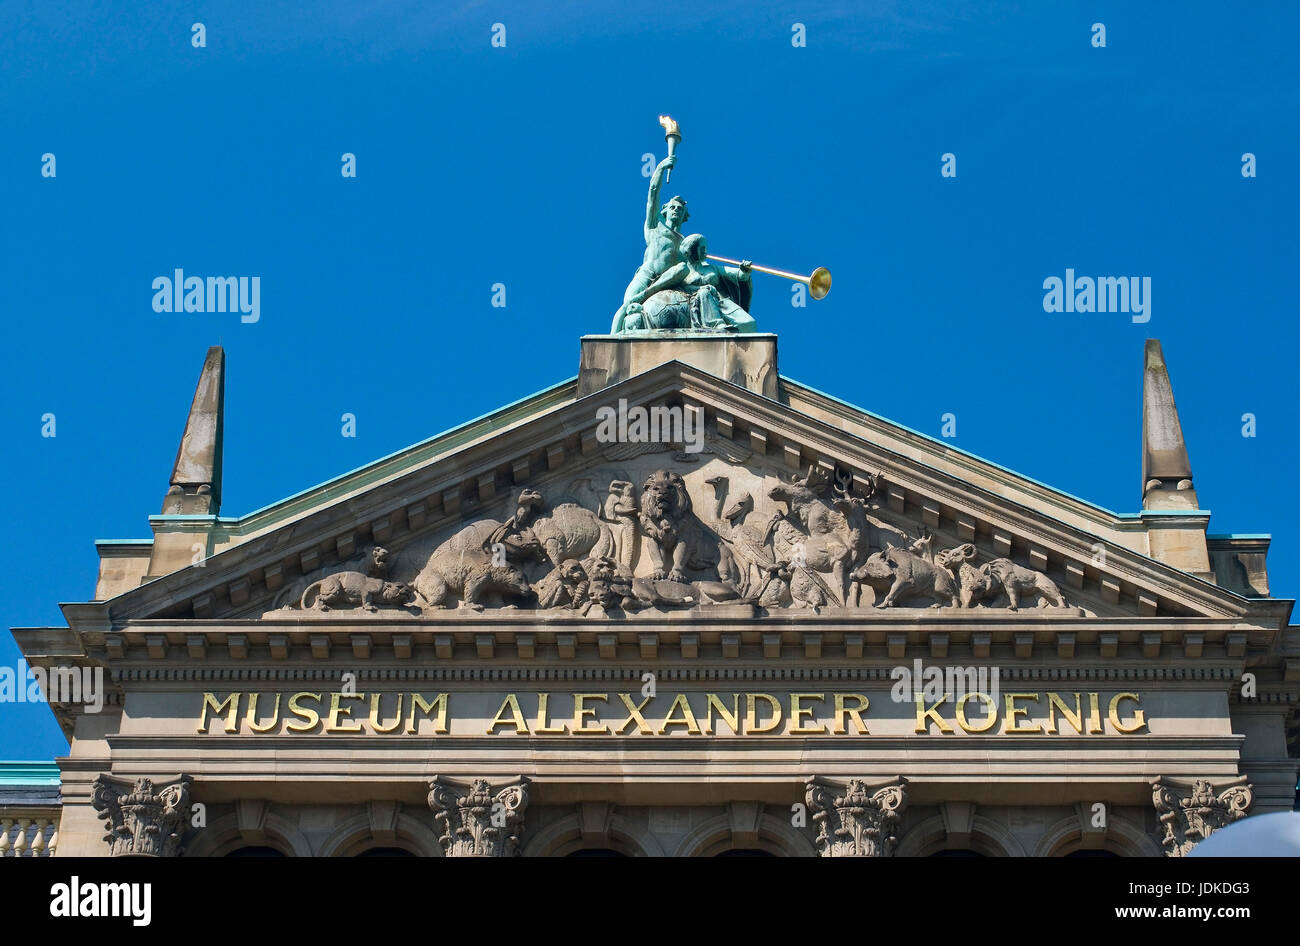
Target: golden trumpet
[[819, 283]]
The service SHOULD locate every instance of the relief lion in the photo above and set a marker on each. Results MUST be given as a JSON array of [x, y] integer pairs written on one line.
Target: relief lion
[[677, 537]]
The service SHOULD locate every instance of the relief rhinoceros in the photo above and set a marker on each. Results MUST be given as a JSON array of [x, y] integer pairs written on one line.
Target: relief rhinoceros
[[461, 566], [486, 557]]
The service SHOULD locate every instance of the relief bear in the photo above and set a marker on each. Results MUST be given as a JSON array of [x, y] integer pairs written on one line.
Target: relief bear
[[1004, 575]]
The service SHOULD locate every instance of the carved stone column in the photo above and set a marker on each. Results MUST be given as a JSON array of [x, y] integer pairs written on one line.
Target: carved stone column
[[857, 819], [143, 819], [1190, 813], [479, 820]]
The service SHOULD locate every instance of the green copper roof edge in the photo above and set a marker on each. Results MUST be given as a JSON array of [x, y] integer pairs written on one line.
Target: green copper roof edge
[[1239, 535], [238, 524], [29, 773], [966, 453], [486, 421]]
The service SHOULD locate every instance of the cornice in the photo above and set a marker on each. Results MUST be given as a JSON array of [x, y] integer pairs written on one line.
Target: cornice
[[397, 678]]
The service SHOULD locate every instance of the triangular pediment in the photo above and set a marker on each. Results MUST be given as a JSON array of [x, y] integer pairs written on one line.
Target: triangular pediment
[[798, 506]]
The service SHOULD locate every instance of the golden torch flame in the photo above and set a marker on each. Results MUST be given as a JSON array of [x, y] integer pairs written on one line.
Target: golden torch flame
[[672, 135]]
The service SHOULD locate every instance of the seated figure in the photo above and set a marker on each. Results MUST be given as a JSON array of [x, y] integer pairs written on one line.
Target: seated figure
[[693, 295]]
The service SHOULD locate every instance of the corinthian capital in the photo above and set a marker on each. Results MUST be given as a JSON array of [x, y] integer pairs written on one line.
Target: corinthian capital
[[857, 818], [1191, 812], [479, 819], [143, 818]]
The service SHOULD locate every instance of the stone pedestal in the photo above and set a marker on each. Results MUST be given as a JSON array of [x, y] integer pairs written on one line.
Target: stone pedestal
[[748, 361]]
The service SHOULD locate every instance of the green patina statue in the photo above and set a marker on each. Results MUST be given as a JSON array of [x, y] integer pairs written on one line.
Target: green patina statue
[[675, 286], [663, 232], [693, 294]]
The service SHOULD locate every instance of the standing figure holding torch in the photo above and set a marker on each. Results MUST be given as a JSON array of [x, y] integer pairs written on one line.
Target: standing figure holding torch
[[663, 234]]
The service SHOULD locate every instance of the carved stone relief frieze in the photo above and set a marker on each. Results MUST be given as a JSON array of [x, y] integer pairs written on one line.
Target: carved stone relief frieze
[[636, 535]]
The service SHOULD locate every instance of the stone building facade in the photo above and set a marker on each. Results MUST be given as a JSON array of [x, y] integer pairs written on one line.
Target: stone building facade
[[683, 606]]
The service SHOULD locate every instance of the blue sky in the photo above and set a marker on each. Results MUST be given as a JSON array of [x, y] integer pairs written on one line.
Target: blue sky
[[522, 165]]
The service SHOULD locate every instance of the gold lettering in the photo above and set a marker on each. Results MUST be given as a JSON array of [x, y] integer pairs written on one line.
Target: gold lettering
[[230, 704], [252, 714], [798, 712], [1011, 724], [1139, 718], [335, 723], [687, 718], [1063, 709], [542, 729], [732, 719], [965, 723], [751, 713], [923, 715], [1094, 714], [420, 704], [1075, 718], [374, 713], [842, 709], [310, 715], [581, 712], [516, 716], [634, 713]]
